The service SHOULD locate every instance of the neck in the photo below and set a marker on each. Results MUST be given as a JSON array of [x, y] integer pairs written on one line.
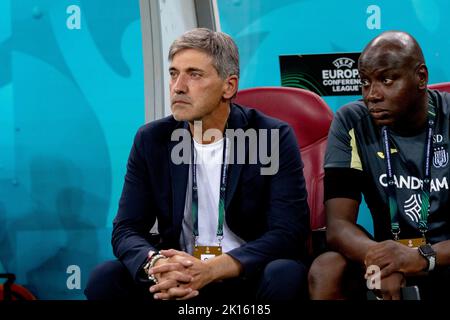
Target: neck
[[211, 127]]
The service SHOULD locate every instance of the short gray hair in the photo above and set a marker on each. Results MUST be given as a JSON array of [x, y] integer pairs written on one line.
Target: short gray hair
[[218, 45]]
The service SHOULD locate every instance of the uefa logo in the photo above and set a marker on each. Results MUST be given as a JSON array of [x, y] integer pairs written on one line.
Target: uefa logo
[[343, 62]]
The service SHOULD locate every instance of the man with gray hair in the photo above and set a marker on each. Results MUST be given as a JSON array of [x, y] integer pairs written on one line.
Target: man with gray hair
[[226, 230]]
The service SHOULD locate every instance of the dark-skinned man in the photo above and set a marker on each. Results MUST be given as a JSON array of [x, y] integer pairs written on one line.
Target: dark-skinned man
[[392, 147]]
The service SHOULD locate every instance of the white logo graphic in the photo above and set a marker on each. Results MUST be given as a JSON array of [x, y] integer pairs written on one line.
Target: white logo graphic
[[438, 138], [343, 78], [412, 207], [343, 62], [414, 183], [440, 157]]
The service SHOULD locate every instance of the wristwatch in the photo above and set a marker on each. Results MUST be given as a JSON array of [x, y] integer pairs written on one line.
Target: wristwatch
[[428, 253]]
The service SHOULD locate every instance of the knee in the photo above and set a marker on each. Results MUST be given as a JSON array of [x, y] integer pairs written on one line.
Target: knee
[[284, 280], [285, 270], [327, 266], [326, 275]]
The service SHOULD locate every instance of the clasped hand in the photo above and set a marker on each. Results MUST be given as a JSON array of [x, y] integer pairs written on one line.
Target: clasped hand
[[180, 276], [393, 260]]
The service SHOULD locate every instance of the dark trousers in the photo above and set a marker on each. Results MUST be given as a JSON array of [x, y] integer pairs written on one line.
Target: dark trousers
[[281, 280]]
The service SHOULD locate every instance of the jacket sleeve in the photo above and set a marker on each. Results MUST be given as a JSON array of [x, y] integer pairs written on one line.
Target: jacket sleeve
[[134, 218]]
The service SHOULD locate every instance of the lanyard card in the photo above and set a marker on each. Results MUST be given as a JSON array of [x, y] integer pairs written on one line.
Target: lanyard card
[[412, 243], [207, 252]]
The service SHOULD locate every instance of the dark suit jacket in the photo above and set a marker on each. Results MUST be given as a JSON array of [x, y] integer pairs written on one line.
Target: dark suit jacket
[[269, 212]]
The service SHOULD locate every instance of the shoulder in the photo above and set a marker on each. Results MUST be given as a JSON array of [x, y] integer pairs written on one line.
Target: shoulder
[[158, 131], [258, 120], [352, 115], [353, 111], [444, 95], [444, 98]]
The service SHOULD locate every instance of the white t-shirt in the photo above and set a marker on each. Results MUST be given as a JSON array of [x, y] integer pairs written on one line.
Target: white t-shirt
[[208, 158]]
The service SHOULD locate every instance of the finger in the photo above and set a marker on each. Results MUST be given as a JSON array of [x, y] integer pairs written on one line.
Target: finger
[[172, 252], [177, 254], [163, 285], [388, 270], [170, 283], [182, 277], [184, 261], [373, 256], [174, 278], [167, 267], [190, 295], [380, 262], [370, 258], [172, 293], [182, 257]]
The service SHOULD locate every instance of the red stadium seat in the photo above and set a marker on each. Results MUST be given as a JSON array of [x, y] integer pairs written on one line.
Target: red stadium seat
[[11, 291], [443, 86], [310, 117]]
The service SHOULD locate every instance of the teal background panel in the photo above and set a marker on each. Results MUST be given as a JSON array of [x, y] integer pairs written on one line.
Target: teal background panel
[[71, 101]]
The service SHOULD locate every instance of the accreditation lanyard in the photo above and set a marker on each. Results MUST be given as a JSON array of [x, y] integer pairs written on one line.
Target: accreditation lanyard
[[426, 185], [223, 184]]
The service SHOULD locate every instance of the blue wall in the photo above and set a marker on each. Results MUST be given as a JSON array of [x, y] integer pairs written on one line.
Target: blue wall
[[265, 29], [71, 100]]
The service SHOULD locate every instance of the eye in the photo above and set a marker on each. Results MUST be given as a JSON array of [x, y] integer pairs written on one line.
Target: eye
[[365, 83], [195, 75], [388, 81], [173, 74]]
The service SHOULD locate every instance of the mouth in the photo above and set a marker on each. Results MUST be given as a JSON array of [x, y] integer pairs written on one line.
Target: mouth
[[179, 102], [378, 114]]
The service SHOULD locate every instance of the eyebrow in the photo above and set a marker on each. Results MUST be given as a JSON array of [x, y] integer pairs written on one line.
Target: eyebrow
[[380, 72], [190, 69]]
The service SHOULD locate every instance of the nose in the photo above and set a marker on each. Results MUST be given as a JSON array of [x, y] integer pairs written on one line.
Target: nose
[[374, 93], [179, 84]]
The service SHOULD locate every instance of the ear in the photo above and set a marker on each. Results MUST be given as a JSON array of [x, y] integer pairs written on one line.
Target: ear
[[422, 75], [230, 87]]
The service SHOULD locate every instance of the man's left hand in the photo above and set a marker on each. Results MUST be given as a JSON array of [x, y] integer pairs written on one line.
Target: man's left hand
[[391, 256]]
